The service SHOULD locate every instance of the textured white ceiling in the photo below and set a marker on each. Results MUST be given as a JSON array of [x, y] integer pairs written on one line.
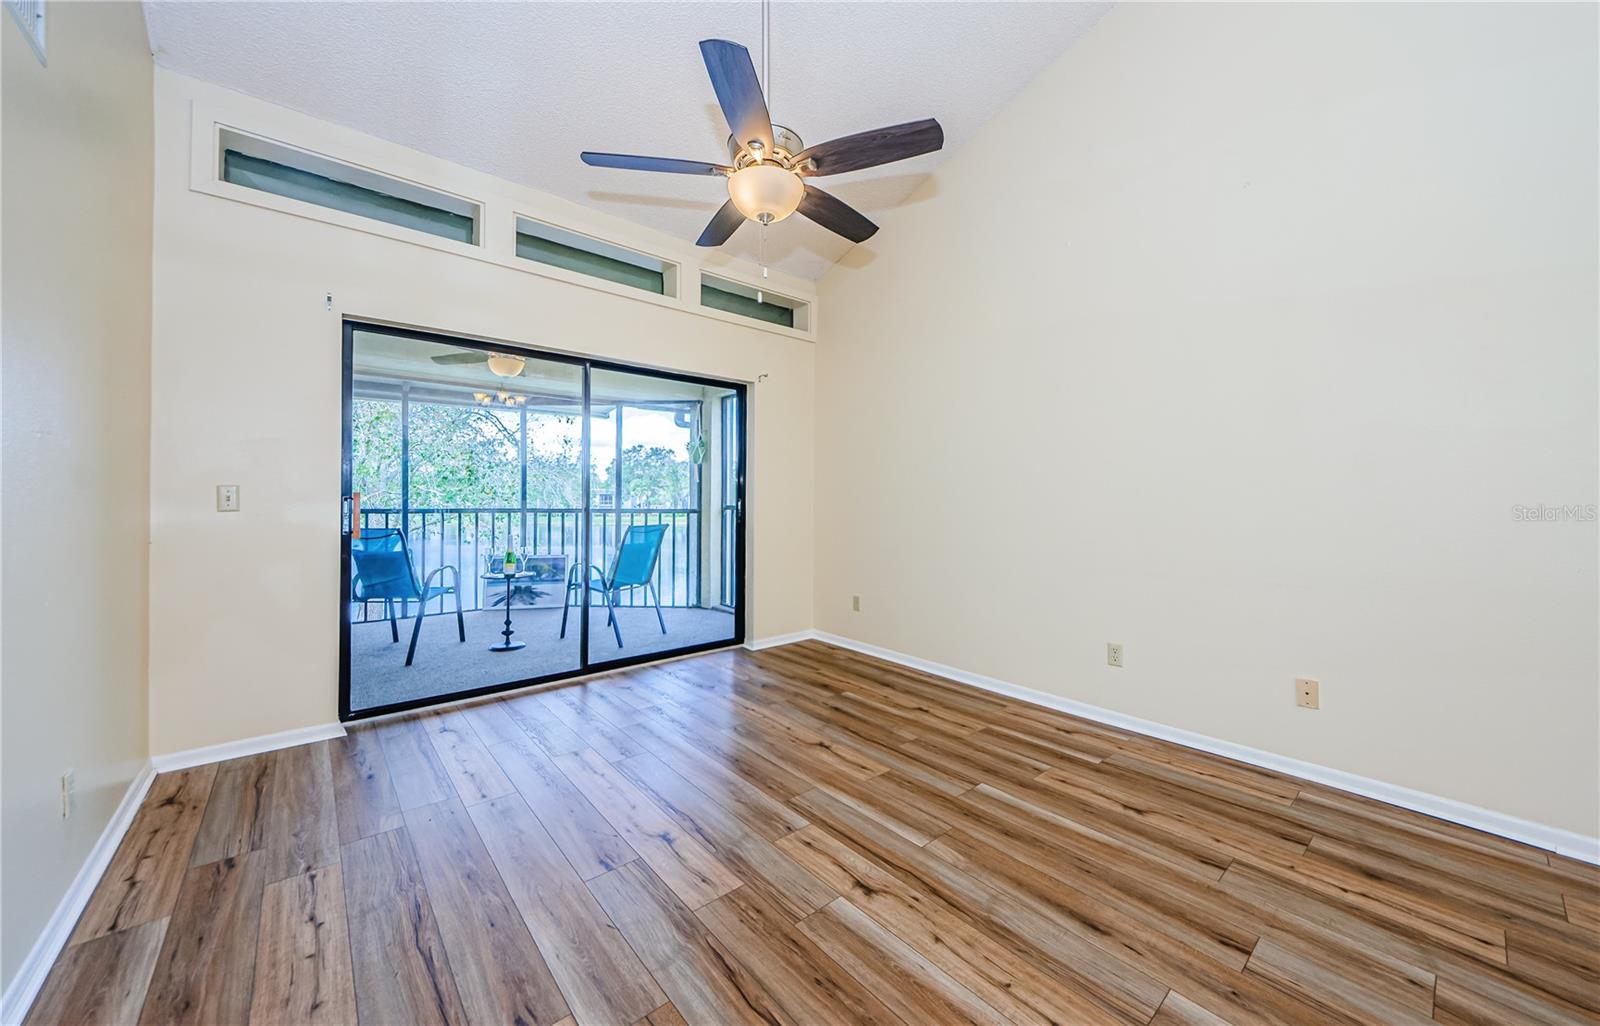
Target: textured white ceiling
[[518, 89]]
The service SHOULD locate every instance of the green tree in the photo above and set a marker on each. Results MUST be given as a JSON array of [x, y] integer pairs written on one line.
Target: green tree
[[375, 452], [653, 477], [463, 456], [466, 456]]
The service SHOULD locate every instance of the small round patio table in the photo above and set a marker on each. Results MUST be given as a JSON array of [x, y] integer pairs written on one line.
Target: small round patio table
[[508, 645]]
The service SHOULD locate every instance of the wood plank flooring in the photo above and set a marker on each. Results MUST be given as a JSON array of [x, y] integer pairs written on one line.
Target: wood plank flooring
[[797, 837]]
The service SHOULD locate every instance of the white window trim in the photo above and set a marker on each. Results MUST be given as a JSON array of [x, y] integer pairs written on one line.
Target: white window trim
[[220, 133], [252, 145], [671, 272], [496, 229], [802, 307]]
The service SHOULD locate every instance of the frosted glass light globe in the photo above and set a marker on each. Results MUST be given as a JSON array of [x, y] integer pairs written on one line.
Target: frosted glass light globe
[[505, 366], [765, 192]]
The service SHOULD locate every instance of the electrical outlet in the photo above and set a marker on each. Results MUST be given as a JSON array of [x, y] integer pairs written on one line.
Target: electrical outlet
[[68, 781], [855, 603], [227, 498], [1305, 693], [1113, 654]]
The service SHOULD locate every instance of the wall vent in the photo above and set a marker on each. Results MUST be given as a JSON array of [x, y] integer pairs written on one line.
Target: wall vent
[[29, 15]]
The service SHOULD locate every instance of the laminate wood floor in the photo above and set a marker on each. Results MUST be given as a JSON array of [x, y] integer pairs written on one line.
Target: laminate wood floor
[[805, 836]]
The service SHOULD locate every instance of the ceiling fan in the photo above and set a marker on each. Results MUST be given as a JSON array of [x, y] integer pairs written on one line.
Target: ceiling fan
[[500, 364], [768, 164]]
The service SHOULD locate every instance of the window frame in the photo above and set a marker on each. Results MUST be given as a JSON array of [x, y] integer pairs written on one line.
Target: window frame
[[345, 172]]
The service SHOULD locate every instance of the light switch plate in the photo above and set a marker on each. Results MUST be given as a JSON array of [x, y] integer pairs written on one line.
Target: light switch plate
[[227, 498]]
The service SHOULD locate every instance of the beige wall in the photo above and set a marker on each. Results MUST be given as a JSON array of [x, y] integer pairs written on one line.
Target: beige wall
[[76, 149], [244, 606], [1235, 338]]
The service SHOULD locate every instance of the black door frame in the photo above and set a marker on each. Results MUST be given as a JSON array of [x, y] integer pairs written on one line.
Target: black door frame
[[585, 667]]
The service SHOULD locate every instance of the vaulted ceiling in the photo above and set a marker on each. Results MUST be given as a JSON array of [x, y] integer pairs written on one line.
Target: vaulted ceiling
[[518, 89]]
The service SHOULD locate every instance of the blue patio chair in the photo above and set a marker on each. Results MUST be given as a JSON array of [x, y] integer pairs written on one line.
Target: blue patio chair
[[632, 566], [384, 571]]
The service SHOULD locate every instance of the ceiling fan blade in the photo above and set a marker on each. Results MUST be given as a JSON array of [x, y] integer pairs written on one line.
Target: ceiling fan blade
[[723, 224], [869, 149], [733, 76], [836, 215], [451, 358], [671, 165]]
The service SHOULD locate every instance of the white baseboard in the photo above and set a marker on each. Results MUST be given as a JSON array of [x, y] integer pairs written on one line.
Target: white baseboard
[[757, 644], [246, 746], [24, 986], [1563, 842]]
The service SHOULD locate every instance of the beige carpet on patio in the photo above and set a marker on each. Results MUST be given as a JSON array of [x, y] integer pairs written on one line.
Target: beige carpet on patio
[[443, 665]]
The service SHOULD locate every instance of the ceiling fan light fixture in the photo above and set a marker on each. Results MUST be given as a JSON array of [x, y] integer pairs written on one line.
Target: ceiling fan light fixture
[[768, 164], [765, 192], [505, 366]]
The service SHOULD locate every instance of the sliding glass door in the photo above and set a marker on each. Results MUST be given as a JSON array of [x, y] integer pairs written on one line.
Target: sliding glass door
[[513, 518], [654, 521]]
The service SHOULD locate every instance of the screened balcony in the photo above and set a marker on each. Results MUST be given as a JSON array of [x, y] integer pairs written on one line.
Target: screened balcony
[[472, 472]]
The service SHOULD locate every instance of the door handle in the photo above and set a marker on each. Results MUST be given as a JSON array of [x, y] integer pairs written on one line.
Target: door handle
[[350, 515]]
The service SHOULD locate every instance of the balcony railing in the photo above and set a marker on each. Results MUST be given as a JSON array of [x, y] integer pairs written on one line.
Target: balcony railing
[[467, 537]]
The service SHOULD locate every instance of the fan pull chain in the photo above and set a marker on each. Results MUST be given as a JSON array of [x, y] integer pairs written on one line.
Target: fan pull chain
[[761, 258]]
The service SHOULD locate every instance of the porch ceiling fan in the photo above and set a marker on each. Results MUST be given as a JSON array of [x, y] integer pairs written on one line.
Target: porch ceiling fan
[[500, 364], [769, 166]]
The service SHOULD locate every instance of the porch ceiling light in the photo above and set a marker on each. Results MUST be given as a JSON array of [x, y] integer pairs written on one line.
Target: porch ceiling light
[[765, 192], [502, 397], [505, 366]]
